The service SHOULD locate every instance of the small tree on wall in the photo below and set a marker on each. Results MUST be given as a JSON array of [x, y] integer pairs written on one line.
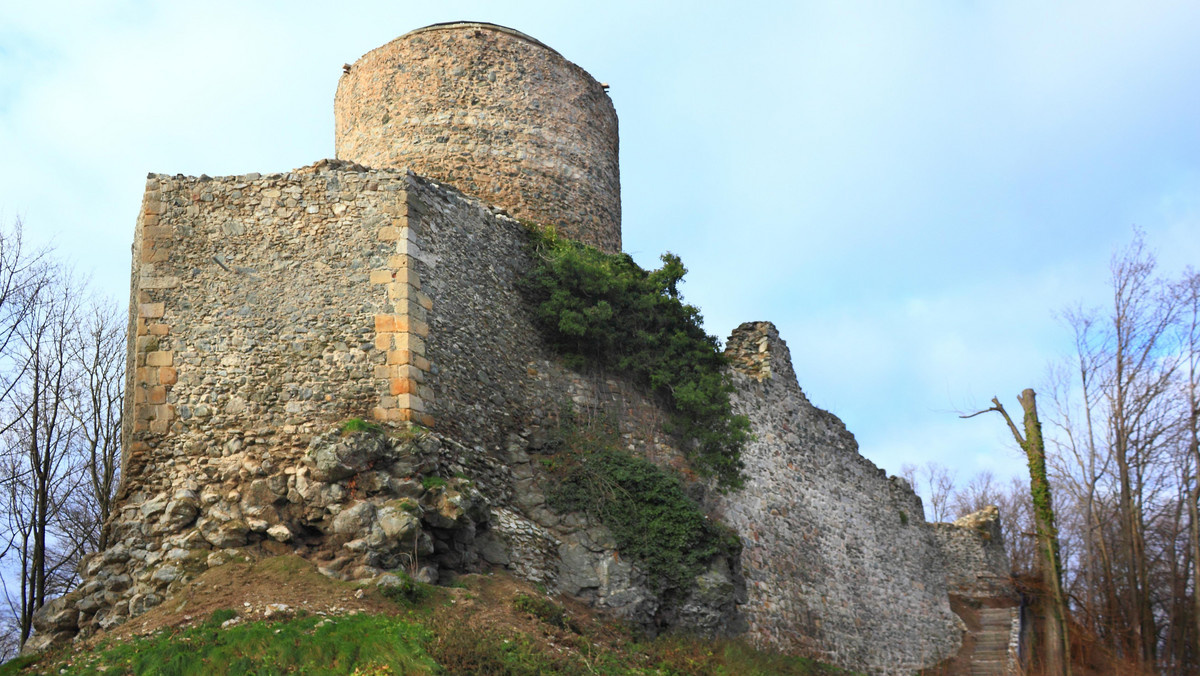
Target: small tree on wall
[[1055, 643]]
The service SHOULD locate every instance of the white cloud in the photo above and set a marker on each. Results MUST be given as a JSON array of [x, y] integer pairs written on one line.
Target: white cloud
[[909, 192]]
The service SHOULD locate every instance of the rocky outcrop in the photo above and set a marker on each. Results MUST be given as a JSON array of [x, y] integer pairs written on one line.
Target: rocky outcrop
[[366, 505]]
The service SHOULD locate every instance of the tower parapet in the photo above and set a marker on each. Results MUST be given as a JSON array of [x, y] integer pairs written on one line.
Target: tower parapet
[[495, 113]]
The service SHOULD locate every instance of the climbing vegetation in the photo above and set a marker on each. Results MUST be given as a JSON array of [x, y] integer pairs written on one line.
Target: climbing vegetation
[[652, 518], [600, 309]]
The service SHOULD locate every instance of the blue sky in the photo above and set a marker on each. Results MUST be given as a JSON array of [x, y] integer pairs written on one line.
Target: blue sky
[[910, 191]]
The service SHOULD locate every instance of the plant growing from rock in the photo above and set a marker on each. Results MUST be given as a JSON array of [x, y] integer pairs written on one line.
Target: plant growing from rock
[[646, 507], [604, 310], [355, 425]]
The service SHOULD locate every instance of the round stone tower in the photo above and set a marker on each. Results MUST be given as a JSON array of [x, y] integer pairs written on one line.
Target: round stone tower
[[496, 114]]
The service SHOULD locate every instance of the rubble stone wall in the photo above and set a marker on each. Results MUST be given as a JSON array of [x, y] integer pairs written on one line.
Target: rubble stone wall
[[495, 113], [270, 309], [490, 372], [973, 551], [838, 560], [255, 311]]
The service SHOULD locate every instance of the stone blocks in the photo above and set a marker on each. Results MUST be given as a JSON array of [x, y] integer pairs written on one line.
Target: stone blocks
[[401, 333], [479, 90]]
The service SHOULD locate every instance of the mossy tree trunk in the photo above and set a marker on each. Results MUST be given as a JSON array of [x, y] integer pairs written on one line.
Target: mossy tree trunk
[[1055, 642]]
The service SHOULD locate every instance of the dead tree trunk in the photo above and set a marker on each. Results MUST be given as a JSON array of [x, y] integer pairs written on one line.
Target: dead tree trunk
[[1055, 641]]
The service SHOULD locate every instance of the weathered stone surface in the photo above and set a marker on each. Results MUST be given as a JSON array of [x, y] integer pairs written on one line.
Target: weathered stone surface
[[166, 575], [335, 456], [447, 508], [279, 533], [181, 511], [396, 98], [283, 305], [397, 522], [57, 615], [863, 584], [355, 519], [711, 604], [221, 534], [973, 549]]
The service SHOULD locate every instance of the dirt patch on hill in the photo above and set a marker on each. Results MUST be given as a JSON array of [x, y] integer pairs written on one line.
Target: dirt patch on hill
[[278, 587], [274, 587]]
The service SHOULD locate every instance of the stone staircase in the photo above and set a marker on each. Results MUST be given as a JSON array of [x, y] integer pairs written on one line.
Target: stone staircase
[[990, 657]]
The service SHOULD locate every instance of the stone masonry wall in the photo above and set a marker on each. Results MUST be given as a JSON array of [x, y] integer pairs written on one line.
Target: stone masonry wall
[[982, 594], [838, 561], [500, 391], [490, 371], [270, 309], [973, 551], [495, 113], [255, 315]]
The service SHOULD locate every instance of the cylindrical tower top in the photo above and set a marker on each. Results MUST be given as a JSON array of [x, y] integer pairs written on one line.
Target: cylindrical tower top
[[496, 114]]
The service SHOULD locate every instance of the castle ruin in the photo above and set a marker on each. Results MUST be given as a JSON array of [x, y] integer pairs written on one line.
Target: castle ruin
[[268, 309]]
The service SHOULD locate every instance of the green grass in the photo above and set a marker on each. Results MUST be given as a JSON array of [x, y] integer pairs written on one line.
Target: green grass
[[409, 592], [433, 482], [307, 645], [418, 644], [690, 656], [545, 610], [359, 425], [432, 636]]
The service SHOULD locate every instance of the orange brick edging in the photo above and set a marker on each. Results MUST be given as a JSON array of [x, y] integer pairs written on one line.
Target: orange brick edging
[[401, 334]]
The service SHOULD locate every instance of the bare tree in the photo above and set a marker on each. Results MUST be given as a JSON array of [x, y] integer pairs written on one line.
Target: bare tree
[[99, 352], [981, 491], [934, 482], [1189, 297], [61, 376], [1142, 372], [41, 440], [1056, 643]]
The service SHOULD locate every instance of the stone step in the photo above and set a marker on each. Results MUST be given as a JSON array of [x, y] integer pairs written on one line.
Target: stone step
[[989, 668], [990, 656], [997, 623]]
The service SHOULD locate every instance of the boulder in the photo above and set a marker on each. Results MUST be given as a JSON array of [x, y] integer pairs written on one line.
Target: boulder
[[223, 534], [396, 522], [59, 614], [335, 456], [180, 512], [258, 497], [354, 520], [279, 533]]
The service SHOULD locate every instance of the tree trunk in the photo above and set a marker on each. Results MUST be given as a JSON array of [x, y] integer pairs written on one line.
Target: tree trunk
[[1057, 644], [1054, 639]]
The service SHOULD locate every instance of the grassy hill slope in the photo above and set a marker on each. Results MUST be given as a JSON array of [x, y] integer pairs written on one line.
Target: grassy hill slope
[[280, 616]]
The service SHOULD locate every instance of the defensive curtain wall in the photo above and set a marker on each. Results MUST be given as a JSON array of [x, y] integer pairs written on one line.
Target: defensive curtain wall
[[268, 310]]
